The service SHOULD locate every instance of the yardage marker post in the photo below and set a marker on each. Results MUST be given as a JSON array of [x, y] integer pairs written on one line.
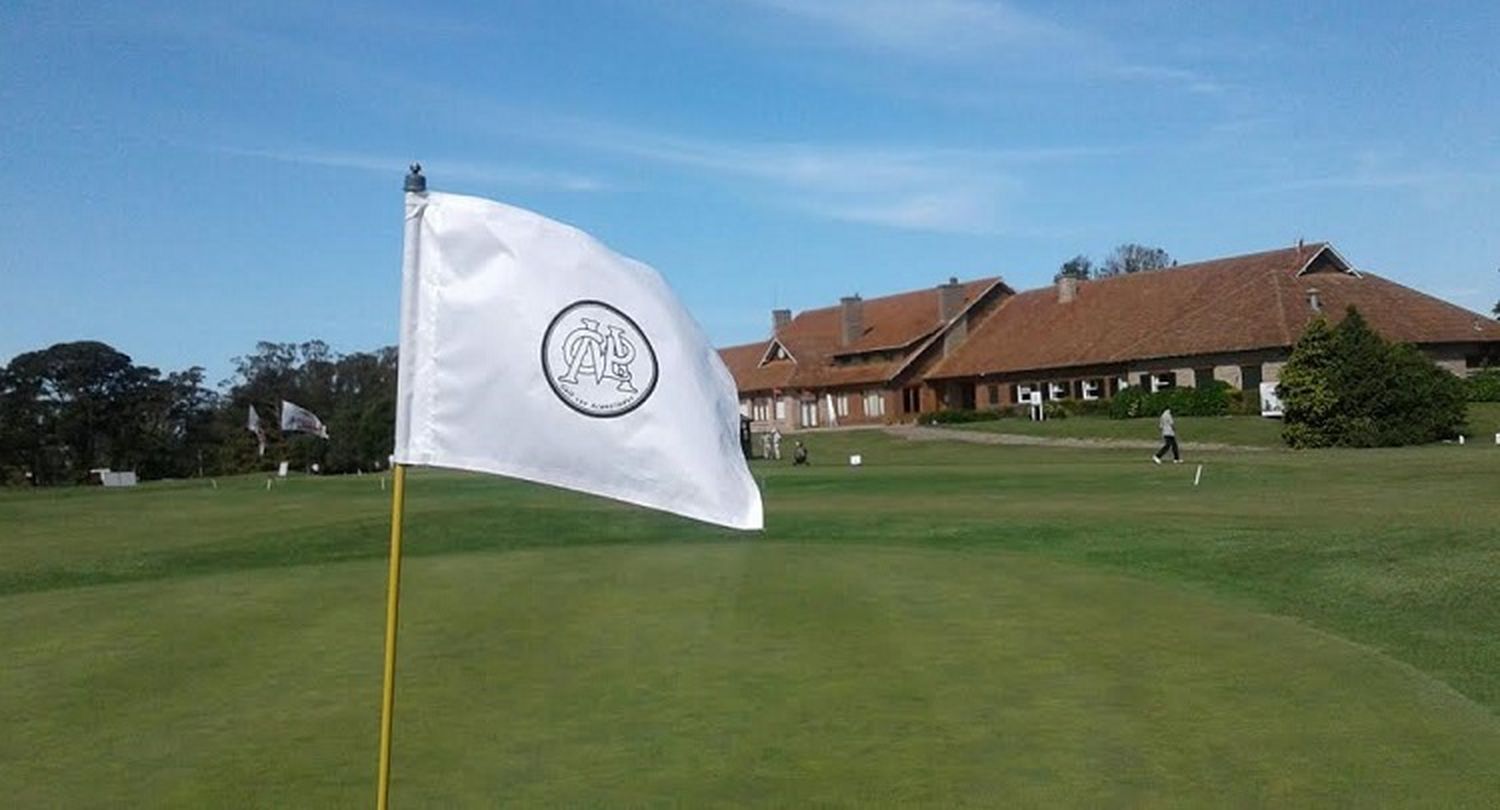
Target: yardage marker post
[[392, 606]]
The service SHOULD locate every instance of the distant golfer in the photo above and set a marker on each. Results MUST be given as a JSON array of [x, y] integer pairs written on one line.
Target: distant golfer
[[1168, 438], [799, 455], [776, 443]]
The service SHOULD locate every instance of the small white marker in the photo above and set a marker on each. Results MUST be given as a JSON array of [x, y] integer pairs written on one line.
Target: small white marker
[[1460, 438], [268, 485], [215, 482], [1198, 476], [382, 483]]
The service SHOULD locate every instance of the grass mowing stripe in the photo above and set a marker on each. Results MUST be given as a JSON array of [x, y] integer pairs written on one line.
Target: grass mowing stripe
[[743, 674]]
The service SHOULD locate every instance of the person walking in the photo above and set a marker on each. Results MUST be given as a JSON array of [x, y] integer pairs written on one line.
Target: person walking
[[776, 443], [1168, 438]]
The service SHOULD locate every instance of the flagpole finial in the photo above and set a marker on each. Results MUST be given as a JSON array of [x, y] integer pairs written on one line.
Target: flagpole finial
[[415, 182]]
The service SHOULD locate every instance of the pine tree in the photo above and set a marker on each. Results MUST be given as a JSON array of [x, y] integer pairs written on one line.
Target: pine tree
[[1309, 401]]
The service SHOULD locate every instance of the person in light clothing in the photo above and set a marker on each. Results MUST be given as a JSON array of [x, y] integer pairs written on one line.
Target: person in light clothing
[[776, 443], [1168, 438]]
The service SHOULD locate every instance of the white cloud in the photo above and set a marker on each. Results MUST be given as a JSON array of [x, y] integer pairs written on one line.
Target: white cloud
[[920, 188], [980, 32], [929, 28]]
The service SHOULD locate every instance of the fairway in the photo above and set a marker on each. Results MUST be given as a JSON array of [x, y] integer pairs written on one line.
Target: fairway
[[948, 625]]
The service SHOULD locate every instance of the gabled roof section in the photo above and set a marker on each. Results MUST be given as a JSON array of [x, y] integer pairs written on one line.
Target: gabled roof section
[[1238, 303], [1325, 258], [896, 324], [769, 356], [750, 373]]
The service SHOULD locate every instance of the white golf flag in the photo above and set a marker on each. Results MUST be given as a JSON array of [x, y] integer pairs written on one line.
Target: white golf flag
[[297, 419], [253, 425], [530, 350]]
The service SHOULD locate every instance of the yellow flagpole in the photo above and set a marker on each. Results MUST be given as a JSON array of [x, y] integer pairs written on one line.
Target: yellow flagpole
[[392, 603]]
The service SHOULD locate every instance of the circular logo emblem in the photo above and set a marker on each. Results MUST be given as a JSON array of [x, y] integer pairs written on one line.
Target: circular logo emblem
[[598, 360]]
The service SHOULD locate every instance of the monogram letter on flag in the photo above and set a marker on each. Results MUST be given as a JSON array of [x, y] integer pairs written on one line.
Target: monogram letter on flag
[[530, 350]]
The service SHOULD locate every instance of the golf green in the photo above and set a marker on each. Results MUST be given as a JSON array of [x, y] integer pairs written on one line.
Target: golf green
[[729, 673]]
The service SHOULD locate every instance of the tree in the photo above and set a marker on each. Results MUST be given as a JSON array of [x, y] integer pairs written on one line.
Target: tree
[[1348, 387], [1078, 267], [75, 406], [1134, 258], [1308, 400]]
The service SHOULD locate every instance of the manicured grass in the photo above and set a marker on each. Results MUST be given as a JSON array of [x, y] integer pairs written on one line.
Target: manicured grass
[[1242, 431], [1245, 431], [948, 624]]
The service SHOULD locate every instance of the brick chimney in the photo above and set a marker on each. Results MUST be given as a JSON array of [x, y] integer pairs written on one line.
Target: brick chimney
[[950, 300], [779, 319], [1067, 289], [852, 318]]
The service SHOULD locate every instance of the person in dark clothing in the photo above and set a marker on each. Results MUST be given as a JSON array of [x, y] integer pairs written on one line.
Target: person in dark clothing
[[1168, 438], [799, 455]]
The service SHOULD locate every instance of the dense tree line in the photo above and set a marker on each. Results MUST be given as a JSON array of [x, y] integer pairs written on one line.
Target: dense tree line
[[75, 407]]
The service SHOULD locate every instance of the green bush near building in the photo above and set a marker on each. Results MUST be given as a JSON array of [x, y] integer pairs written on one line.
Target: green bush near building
[[1346, 386], [1210, 399]]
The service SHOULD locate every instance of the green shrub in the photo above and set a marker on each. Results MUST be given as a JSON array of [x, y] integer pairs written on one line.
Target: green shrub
[[956, 417], [1243, 403], [1084, 407], [1484, 386], [1347, 386], [1207, 400]]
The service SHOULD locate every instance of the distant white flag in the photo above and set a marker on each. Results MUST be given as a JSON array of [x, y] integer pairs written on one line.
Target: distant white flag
[[254, 427], [297, 419], [530, 350]]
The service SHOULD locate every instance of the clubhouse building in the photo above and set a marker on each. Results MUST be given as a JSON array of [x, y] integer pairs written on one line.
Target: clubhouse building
[[981, 344]]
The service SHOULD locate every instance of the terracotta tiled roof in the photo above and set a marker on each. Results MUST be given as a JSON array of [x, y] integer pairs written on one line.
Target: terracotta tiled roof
[[894, 323], [749, 375], [1239, 303]]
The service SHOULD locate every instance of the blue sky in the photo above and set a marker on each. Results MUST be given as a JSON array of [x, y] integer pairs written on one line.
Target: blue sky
[[181, 180]]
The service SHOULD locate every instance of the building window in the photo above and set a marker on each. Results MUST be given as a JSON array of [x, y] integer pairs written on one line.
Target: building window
[[744, 407], [1057, 390], [993, 392], [809, 413], [911, 399], [760, 410], [1091, 389], [1203, 376], [874, 403], [780, 409], [842, 403], [1163, 381]]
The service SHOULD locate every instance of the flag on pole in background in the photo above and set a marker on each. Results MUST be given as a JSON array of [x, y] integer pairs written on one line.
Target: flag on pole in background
[[297, 419], [254, 427], [530, 350]]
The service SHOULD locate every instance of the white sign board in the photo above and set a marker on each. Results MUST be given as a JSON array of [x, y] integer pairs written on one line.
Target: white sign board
[[1270, 404], [281, 471], [117, 479]]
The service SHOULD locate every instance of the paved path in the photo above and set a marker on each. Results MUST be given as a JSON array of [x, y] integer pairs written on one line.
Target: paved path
[[919, 433]]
